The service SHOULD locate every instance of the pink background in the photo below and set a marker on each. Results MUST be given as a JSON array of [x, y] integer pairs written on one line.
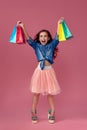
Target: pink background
[[17, 63]]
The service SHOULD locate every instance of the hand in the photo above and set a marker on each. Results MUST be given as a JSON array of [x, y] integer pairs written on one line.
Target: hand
[[21, 24], [60, 20]]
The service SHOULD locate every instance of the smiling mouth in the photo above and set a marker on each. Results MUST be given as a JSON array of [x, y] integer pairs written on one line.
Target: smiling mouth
[[43, 41]]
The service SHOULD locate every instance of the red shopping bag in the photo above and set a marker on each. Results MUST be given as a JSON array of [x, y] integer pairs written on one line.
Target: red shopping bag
[[20, 35]]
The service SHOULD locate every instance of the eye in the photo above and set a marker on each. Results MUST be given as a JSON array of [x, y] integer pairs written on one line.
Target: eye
[[41, 36]]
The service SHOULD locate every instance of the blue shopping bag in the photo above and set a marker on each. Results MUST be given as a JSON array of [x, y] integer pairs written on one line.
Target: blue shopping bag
[[13, 35]]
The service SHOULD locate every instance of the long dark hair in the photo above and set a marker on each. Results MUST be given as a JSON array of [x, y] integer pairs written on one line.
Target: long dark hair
[[38, 34], [50, 39]]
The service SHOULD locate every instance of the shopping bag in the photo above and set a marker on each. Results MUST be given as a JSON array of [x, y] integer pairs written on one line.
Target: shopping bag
[[17, 36], [13, 35], [63, 31], [60, 31], [20, 35], [66, 29]]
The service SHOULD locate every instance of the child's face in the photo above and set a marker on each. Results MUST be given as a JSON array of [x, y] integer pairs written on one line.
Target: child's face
[[43, 38]]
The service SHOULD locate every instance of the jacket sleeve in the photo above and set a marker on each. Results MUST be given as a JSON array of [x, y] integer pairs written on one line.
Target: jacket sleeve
[[55, 41], [31, 42]]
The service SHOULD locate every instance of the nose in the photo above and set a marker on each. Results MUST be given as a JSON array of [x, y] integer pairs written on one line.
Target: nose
[[43, 37]]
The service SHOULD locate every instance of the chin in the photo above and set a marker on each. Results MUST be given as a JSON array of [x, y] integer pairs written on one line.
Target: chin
[[43, 43]]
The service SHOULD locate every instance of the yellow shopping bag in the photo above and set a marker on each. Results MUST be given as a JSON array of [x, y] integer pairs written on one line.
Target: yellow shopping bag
[[60, 32]]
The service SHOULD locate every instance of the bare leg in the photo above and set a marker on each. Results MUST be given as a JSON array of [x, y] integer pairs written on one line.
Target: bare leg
[[51, 103], [51, 116], [35, 102], [34, 105]]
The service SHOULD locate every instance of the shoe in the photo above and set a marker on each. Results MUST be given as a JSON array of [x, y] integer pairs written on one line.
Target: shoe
[[51, 118], [34, 117]]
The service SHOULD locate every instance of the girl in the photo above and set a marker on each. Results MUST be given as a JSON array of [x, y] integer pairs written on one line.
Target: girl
[[44, 79]]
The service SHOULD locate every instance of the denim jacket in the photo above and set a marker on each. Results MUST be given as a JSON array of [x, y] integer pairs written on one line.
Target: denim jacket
[[44, 52]]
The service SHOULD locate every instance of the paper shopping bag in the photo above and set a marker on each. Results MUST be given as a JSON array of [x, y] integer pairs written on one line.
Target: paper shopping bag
[[20, 35], [13, 35], [60, 31], [66, 29], [17, 35]]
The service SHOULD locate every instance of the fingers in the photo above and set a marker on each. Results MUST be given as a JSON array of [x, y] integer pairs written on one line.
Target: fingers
[[18, 22], [60, 20], [21, 24]]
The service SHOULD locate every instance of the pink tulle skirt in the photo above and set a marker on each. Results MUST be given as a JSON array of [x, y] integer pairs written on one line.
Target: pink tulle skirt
[[44, 81]]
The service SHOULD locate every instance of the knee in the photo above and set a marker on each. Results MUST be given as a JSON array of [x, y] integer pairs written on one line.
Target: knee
[[50, 96], [36, 94]]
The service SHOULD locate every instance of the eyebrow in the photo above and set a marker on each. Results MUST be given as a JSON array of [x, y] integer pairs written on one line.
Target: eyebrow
[[44, 34]]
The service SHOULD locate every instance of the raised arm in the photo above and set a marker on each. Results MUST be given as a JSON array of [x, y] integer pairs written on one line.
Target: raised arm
[[59, 22], [55, 41], [21, 24], [29, 40]]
